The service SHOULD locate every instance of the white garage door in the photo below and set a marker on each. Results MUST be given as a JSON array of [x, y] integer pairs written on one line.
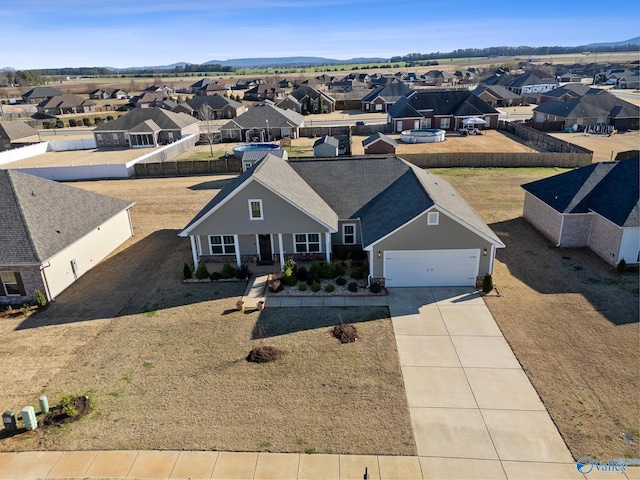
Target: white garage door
[[431, 268]]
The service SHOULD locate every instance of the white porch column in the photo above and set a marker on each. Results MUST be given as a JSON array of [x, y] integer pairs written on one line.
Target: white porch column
[[280, 252], [194, 251], [237, 247], [327, 246]]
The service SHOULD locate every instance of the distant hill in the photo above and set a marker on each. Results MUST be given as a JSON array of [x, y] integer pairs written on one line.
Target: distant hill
[[633, 41], [290, 61]]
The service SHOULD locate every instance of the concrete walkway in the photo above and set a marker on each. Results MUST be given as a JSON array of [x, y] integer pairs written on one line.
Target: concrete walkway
[[473, 410]]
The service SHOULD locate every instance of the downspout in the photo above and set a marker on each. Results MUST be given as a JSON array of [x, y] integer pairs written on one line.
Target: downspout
[[561, 229], [44, 280]]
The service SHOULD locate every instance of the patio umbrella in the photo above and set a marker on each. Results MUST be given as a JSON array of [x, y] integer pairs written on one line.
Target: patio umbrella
[[474, 121]]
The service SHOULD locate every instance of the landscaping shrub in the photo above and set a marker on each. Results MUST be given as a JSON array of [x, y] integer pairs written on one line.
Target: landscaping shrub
[[243, 272], [314, 270], [202, 272], [315, 287], [357, 273], [302, 287], [109, 118], [97, 120], [291, 265], [353, 287], [46, 125], [186, 272], [302, 274], [340, 252], [86, 122], [339, 269], [345, 333], [341, 281], [215, 276], [622, 266], [288, 278], [375, 288], [41, 300], [72, 122], [327, 270], [227, 271], [59, 124], [487, 283], [330, 287]]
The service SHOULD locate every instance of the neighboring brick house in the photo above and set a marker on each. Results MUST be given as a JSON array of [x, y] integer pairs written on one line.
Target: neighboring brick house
[[312, 100], [66, 103], [383, 97], [497, 95], [442, 109], [40, 94], [264, 92], [379, 144], [596, 206], [221, 107], [146, 99], [145, 127], [17, 134]]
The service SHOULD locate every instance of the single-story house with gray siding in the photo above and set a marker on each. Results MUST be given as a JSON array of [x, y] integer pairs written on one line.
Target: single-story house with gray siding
[[414, 227]]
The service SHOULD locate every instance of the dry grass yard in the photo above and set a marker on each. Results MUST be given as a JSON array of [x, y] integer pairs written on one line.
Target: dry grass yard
[[164, 362], [604, 148]]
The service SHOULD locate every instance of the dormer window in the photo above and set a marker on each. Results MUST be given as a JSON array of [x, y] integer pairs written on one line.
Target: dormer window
[[255, 209]]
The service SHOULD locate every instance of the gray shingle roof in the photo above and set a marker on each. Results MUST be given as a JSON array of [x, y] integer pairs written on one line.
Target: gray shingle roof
[[42, 92], [254, 155], [257, 117], [13, 131], [39, 217], [442, 102], [384, 193], [609, 188], [165, 119], [333, 141], [379, 137], [391, 92], [216, 102], [589, 106]]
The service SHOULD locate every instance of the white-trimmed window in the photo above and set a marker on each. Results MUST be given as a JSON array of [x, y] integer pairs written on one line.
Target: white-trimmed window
[[433, 218], [246, 166], [222, 244], [445, 122], [10, 284], [99, 138], [114, 136], [307, 242], [255, 209], [348, 233]]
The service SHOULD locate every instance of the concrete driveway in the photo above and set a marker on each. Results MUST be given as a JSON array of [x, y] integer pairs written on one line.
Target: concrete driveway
[[474, 412]]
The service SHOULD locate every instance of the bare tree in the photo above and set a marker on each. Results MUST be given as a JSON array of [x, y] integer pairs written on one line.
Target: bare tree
[[206, 114]]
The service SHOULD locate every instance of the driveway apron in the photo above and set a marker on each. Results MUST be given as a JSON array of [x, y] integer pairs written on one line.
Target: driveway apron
[[469, 399]]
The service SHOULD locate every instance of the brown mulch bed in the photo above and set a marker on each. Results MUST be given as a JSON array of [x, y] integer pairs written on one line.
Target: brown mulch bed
[[345, 333], [58, 416], [264, 354]]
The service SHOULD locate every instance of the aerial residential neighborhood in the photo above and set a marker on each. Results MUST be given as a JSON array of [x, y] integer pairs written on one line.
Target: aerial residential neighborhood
[[411, 266]]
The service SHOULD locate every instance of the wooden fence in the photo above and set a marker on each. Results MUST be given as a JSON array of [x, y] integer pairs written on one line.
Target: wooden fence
[[540, 140], [188, 167], [486, 159]]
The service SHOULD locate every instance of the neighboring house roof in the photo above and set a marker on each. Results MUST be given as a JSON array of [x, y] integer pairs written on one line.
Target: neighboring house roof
[[14, 131], [531, 79], [257, 116], [573, 89], [148, 126], [590, 106], [459, 103], [164, 119], [66, 100], [42, 92], [201, 83], [306, 91], [390, 93], [610, 189], [148, 97], [216, 102], [40, 217], [254, 155], [327, 140], [379, 137], [498, 91]]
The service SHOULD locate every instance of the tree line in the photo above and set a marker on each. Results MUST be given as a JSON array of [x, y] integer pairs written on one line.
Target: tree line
[[511, 51]]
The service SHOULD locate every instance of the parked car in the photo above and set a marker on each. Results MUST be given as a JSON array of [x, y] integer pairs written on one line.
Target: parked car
[[359, 122]]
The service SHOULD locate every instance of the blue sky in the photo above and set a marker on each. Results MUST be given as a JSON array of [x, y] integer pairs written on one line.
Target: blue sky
[[118, 33]]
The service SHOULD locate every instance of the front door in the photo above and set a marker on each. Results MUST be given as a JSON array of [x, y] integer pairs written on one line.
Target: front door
[[266, 254]]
